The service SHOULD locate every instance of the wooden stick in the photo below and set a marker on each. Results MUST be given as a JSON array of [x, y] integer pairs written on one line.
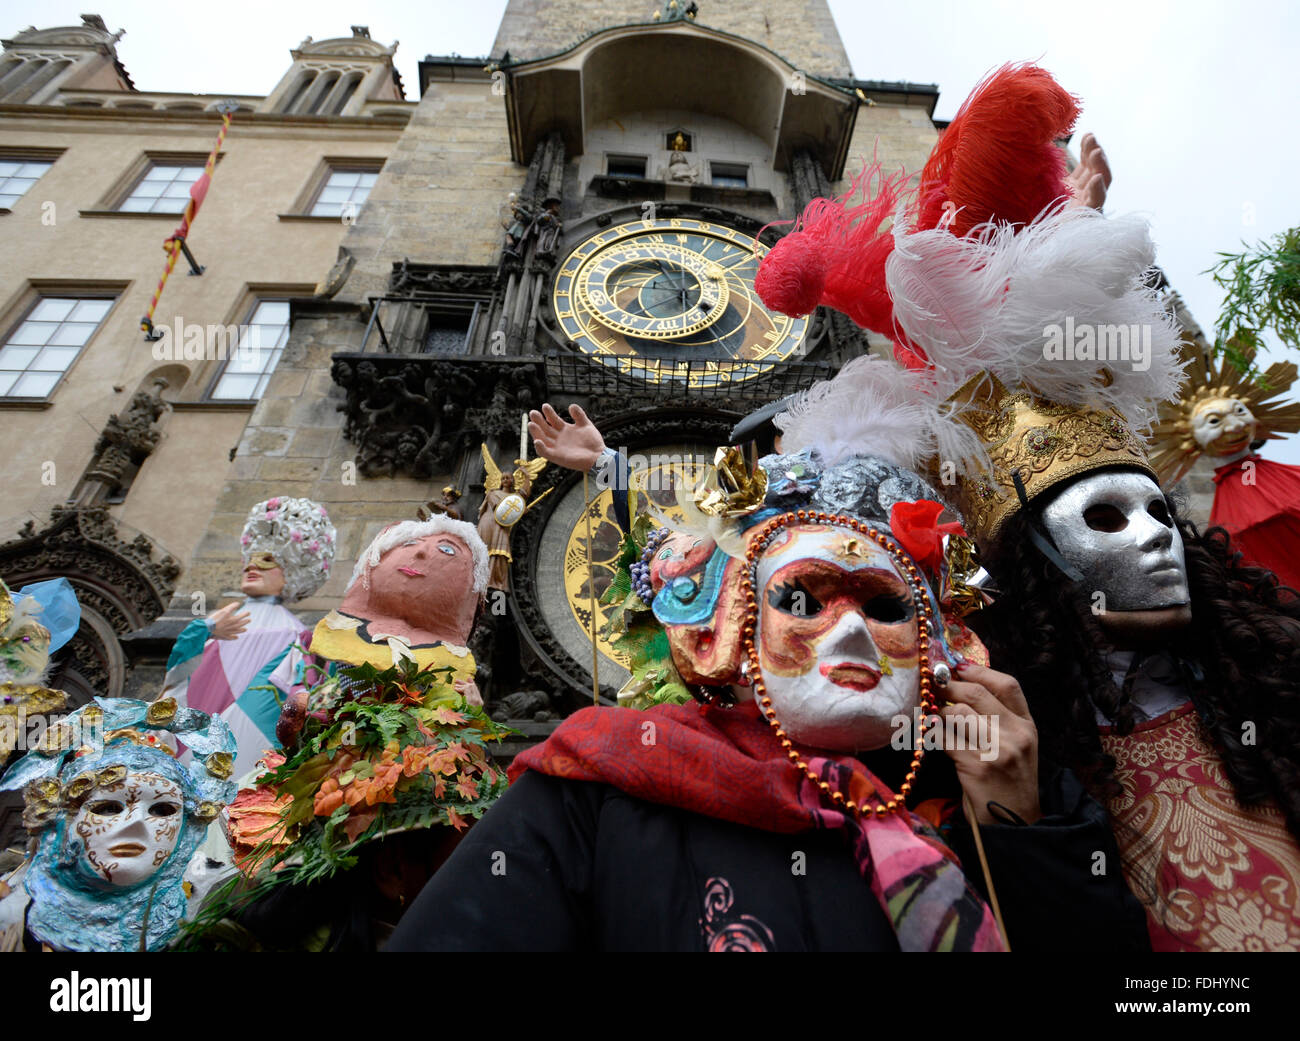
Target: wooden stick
[[591, 593], [984, 866]]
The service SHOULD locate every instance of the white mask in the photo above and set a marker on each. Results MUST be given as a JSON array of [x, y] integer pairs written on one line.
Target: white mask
[[1114, 526], [129, 828], [837, 638]]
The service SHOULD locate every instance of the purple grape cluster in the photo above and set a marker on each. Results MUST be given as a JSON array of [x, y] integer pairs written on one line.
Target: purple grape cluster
[[641, 568]]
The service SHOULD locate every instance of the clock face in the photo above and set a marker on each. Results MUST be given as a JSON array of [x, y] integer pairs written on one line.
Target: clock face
[[673, 299]]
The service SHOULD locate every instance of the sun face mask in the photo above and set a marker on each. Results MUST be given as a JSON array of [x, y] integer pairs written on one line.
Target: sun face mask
[[837, 637], [1223, 426], [1114, 527]]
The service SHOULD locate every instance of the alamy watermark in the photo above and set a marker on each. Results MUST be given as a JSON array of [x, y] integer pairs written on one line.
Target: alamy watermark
[[194, 341], [959, 732], [1085, 341], [23, 732]]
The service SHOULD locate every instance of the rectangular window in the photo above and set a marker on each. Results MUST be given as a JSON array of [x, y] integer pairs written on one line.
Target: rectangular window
[[343, 193], [448, 332], [18, 175], [46, 343], [626, 166], [729, 175], [164, 188], [261, 342]]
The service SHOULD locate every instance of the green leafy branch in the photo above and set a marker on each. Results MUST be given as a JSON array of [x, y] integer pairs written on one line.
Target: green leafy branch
[[1262, 284]]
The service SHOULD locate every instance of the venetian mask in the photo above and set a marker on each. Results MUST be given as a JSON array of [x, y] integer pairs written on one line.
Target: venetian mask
[[1223, 426], [427, 582], [1114, 526], [699, 606], [114, 819], [262, 576], [130, 827], [837, 637]]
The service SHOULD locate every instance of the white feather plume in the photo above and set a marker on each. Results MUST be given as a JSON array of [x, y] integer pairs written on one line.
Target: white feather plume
[[989, 303], [871, 407]]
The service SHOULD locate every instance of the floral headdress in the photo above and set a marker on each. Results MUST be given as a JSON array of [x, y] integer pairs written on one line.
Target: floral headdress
[[299, 535]]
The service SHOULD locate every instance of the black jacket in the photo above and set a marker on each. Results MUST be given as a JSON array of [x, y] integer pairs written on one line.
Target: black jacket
[[573, 865]]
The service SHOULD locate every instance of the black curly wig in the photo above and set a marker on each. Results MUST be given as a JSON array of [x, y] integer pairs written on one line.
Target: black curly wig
[[1244, 634]]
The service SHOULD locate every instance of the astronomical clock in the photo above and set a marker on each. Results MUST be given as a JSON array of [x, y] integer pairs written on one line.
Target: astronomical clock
[[670, 304], [647, 295]]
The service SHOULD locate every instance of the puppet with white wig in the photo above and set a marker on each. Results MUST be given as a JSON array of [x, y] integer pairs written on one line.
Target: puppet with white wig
[[221, 663], [384, 737]]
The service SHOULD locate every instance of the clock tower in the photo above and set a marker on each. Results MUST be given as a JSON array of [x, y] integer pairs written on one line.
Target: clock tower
[[577, 218]]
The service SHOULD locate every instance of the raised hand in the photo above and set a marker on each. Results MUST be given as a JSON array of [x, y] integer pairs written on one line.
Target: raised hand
[[226, 625], [575, 446], [468, 689], [1090, 179]]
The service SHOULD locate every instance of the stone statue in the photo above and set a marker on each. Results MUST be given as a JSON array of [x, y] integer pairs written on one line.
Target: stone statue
[[680, 171]]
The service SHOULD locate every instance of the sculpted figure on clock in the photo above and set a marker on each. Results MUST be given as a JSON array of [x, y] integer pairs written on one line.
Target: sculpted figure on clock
[[505, 499]]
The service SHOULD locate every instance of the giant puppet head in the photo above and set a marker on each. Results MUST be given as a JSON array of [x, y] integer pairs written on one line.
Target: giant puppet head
[[430, 575], [831, 593], [115, 819], [288, 548], [414, 596]]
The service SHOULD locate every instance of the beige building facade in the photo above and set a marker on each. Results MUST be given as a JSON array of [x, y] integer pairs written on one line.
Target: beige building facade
[[137, 434]]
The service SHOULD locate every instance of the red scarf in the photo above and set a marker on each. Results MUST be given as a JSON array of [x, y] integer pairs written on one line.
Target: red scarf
[[729, 765]]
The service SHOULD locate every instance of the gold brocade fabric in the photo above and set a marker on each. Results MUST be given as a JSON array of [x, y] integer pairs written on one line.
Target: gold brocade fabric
[[1226, 877]]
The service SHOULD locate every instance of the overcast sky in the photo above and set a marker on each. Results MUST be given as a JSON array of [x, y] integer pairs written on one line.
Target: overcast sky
[[1194, 101]]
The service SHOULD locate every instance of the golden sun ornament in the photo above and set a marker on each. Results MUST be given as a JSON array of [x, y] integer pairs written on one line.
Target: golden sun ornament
[[1221, 412]]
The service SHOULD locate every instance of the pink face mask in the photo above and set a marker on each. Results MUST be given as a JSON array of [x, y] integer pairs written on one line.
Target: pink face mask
[[837, 638], [427, 583]]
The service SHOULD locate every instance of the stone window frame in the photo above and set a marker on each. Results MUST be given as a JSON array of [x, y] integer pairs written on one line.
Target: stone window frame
[[121, 189], [730, 168], [197, 392], [18, 153], [26, 301], [644, 160], [302, 205]]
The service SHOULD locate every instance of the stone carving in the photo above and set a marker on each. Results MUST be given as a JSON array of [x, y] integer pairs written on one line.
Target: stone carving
[[415, 416], [412, 279], [128, 438], [681, 170]]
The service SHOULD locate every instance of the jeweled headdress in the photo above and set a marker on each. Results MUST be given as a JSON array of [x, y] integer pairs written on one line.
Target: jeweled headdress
[[1026, 321], [298, 535]]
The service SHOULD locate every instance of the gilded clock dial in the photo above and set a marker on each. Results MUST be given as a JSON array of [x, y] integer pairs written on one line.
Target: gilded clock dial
[[647, 297]]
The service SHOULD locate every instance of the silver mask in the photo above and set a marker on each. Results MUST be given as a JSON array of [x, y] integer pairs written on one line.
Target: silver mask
[[1114, 526]]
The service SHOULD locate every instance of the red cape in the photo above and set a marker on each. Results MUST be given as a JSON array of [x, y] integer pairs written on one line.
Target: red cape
[[1259, 505]]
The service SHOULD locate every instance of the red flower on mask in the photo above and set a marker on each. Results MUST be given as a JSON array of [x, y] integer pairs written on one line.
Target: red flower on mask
[[915, 528]]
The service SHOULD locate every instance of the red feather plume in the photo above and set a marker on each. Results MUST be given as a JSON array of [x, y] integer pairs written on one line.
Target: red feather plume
[[836, 255], [997, 161]]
